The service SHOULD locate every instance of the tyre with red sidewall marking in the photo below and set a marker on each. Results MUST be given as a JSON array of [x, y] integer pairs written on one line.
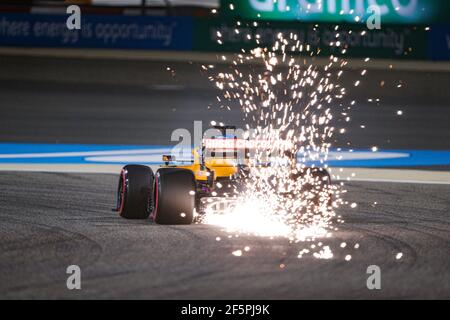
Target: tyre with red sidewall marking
[[134, 193], [174, 196]]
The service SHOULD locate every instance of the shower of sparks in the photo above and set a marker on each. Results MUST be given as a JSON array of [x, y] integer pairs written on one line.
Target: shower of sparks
[[237, 253], [290, 104], [325, 253]]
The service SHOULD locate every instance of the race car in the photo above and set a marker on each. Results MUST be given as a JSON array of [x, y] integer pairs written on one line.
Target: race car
[[176, 193]]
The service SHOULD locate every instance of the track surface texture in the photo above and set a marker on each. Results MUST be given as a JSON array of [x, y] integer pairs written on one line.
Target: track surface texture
[[49, 221], [63, 219]]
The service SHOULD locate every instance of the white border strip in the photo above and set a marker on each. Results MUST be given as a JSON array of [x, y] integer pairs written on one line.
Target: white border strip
[[399, 181], [391, 175], [363, 175]]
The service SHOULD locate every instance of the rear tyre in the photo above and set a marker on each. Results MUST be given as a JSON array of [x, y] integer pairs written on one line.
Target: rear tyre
[[319, 175], [321, 181], [174, 196], [134, 193], [322, 175]]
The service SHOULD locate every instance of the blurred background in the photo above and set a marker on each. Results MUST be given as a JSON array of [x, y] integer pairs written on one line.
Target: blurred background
[[132, 73]]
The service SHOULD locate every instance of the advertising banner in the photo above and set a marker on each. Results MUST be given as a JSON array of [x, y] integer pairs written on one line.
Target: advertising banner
[[398, 42], [439, 43], [337, 11], [201, 34], [133, 32]]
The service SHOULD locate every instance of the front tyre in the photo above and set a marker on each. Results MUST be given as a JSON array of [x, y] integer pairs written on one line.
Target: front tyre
[[134, 193], [174, 196]]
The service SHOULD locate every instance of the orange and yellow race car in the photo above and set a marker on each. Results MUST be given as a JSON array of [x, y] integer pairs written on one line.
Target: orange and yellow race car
[[176, 193]]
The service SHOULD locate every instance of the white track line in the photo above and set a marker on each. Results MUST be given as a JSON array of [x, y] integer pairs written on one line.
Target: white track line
[[401, 181], [158, 151], [63, 168], [364, 175], [392, 175]]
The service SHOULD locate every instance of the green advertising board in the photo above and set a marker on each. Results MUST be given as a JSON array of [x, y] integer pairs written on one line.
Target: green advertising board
[[395, 41], [336, 11]]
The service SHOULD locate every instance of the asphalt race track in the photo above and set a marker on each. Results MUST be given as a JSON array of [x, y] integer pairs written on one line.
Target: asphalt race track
[[52, 220]]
